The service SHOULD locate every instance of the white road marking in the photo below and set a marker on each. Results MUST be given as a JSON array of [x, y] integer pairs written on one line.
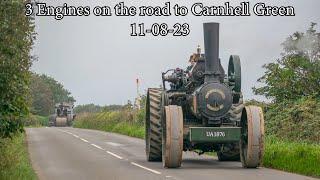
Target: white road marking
[[63, 131], [84, 140], [148, 169], [97, 146], [113, 154], [76, 136], [114, 144]]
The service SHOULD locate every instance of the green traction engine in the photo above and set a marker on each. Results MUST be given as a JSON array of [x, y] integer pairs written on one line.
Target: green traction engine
[[203, 111]]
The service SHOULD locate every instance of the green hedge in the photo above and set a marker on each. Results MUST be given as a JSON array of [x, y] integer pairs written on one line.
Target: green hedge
[[124, 122], [295, 120], [16, 40], [36, 121]]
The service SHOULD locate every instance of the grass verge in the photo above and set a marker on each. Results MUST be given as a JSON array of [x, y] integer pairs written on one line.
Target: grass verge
[[295, 157], [14, 159]]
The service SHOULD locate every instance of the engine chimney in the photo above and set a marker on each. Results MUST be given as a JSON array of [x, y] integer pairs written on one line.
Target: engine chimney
[[211, 46]]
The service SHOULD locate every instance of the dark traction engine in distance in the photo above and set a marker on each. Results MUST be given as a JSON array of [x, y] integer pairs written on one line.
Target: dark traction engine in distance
[[203, 111]]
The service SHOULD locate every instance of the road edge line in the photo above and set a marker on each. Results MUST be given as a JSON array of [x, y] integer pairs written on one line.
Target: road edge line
[[143, 167], [97, 146], [84, 140], [115, 155]]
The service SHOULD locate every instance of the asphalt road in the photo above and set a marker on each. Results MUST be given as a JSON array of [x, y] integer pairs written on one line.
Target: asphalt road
[[75, 154]]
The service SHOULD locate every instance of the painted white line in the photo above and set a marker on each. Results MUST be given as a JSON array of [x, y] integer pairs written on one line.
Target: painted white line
[[76, 136], [62, 130], [84, 140], [148, 169], [113, 154], [97, 146], [114, 144]]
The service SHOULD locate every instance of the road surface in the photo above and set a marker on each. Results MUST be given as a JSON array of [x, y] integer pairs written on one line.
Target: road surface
[[75, 154]]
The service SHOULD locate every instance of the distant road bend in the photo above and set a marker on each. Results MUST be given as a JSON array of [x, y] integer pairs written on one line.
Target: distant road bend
[[76, 154]]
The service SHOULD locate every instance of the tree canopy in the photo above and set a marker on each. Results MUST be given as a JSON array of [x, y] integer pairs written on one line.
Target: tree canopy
[[297, 73], [45, 93], [293, 83]]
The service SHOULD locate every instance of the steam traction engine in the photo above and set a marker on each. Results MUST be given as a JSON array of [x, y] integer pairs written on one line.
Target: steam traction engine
[[63, 115], [203, 111]]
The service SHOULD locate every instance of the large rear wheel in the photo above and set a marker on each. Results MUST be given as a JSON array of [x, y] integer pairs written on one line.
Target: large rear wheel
[[252, 137], [153, 125], [172, 138]]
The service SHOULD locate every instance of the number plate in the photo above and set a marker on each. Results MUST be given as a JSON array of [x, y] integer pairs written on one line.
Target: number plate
[[214, 134]]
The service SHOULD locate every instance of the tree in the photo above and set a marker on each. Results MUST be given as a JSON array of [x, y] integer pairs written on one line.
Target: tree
[[41, 95], [293, 83], [297, 73], [45, 93], [60, 94], [16, 40]]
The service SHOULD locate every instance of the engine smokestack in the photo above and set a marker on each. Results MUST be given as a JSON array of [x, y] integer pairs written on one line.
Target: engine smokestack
[[211, 46]]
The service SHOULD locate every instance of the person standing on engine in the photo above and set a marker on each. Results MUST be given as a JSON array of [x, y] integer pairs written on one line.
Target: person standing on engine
[[193, 59]]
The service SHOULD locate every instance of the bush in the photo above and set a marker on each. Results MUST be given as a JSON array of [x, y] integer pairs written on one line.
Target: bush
[[36, 121], [16, 40], [128, 122], [295, 120], [296, 74]]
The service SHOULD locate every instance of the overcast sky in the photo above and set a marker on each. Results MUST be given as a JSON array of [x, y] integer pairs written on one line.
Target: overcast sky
[[97, 60]]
